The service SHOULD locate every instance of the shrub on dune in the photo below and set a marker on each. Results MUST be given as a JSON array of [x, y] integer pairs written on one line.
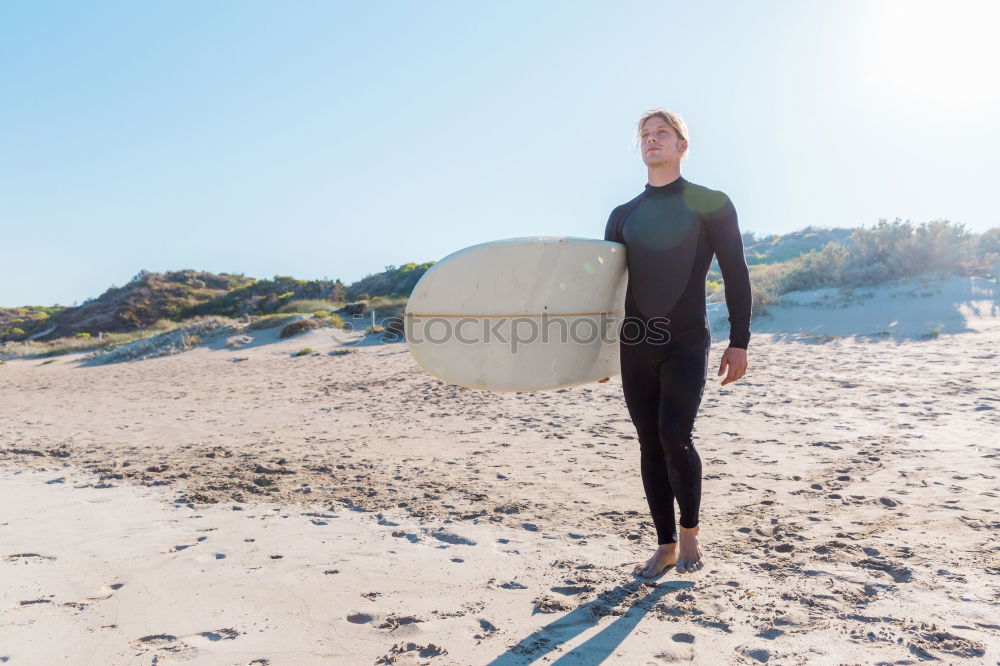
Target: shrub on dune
[[296, 327]]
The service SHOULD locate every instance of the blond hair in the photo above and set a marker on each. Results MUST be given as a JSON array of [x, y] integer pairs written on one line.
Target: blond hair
[[669, 117]]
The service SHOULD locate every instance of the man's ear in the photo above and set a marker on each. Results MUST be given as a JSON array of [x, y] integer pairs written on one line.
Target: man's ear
[[682, 146]]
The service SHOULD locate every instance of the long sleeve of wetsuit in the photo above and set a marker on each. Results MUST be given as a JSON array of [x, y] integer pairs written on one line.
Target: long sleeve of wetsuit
[[727, 243], [611, 231]]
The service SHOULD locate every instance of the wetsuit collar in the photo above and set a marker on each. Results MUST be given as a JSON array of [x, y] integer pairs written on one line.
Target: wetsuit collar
[[673, 186]]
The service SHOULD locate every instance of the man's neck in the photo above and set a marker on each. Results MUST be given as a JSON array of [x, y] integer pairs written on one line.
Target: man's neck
[[663, 174]]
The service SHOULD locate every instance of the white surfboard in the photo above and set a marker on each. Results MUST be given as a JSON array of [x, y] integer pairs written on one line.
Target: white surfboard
[[521, 314]]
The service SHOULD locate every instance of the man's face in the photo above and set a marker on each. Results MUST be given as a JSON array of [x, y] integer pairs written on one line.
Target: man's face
[[659, 143]]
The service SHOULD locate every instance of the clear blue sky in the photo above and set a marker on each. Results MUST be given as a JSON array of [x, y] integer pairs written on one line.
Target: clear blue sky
[[332, 139]]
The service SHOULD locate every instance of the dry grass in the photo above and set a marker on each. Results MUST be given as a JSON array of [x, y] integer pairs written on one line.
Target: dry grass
[[307, 306], [77, 344]]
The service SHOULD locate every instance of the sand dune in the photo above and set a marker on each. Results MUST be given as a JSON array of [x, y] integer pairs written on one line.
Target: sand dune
[[330, 509]]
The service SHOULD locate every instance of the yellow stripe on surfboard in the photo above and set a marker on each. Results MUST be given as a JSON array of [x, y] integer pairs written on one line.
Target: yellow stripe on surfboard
[[521, 314]]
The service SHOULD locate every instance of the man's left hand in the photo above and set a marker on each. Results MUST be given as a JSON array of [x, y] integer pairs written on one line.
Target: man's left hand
[[736, 359]]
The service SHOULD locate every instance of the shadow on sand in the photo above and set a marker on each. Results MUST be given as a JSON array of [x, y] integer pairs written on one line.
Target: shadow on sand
[[601, 645]]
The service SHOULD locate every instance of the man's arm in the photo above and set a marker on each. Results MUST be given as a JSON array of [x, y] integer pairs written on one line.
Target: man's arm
[[611, 233], [612, 230], [727, 243]]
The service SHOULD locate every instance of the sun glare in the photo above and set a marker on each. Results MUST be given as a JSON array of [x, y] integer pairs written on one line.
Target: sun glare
[[935, 52]]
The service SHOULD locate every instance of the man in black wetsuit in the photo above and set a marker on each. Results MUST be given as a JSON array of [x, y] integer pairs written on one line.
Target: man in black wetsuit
[[671, 230]]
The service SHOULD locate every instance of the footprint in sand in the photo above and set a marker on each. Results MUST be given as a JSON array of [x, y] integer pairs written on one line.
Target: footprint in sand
[[899, 573], [32, 602], [757, 654], [928, 639], [186, 545], [106, 591], [360, 618], [394, 622], [28, 557], [424, 651], [207, 638], [487, 628], [165, 645]]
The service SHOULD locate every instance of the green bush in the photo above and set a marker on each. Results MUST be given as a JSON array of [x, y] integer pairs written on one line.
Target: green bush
[[885, 252], [296, 327], [329, 319], [391, 282], [356, 308], [269, 296], [304, 352]]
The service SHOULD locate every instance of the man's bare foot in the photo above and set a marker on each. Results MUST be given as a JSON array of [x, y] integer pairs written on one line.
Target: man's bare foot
[[688, 554], [664, 557]]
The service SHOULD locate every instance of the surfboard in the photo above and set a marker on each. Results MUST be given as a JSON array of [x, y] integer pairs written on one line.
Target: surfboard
[[521, 314]]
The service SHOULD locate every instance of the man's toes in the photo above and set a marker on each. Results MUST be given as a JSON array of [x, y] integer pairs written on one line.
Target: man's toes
[[687, 566]]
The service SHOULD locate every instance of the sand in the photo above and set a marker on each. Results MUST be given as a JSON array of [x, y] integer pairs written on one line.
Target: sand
[[351, 509]]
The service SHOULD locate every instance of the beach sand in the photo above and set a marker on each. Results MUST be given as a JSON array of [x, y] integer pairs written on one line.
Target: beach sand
[[352, 509]]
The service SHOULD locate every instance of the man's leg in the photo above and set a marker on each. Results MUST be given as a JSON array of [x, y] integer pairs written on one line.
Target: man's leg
[[682, 384], [641, 386]]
